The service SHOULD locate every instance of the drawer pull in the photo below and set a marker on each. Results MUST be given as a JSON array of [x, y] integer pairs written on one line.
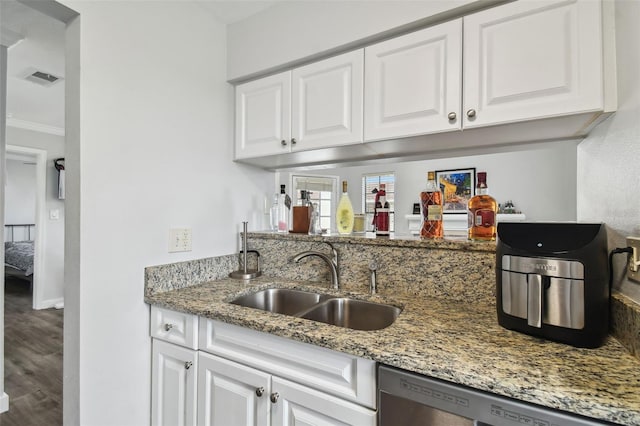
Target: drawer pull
[[471, 113], [188, 364], [274, 397], [259, 391], [168, 327], [452, 116]]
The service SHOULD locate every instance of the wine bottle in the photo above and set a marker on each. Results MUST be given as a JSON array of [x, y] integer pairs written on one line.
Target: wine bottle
[[382, 212], [431, 209], [482, 212], [344, 212]]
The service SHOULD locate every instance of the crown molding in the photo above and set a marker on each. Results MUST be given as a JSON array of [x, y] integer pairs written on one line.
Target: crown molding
[[9, 38], [36, 127]]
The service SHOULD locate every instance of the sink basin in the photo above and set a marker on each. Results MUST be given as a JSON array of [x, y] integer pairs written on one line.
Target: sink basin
[[280, 300], [353, 313]]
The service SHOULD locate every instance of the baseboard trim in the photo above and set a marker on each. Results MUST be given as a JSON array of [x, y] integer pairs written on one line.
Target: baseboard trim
[[4, 402], [51, 303]]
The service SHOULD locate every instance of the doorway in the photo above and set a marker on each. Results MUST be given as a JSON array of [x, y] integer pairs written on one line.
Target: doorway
[[39, 158]]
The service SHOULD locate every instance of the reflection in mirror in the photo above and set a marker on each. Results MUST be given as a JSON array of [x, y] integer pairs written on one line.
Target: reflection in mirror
[[540, 180], [323, 191], [371, 182]]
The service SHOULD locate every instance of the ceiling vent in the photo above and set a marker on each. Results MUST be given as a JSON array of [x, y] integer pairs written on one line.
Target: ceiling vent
[[41, 77]]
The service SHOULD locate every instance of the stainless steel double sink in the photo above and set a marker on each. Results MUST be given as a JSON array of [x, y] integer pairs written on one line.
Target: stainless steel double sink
[[339, 311]]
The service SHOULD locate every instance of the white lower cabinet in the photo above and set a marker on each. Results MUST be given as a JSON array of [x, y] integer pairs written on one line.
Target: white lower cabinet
[[230, 394], [173, 391], [207, 372]]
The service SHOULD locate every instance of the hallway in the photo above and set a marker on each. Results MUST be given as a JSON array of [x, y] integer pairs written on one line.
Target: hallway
[[33, 360]]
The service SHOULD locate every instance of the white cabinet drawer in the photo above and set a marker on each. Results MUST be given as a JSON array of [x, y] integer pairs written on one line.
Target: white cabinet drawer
[[346, 376], [174, 327]]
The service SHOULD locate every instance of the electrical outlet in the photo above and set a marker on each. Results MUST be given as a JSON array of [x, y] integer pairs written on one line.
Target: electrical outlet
[[179, 240], [633, 268]]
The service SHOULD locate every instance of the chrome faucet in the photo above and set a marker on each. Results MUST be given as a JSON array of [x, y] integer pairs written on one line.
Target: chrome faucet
[[331, 261]]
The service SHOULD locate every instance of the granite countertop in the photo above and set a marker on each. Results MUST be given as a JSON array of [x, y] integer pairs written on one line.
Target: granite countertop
[[458, 342]]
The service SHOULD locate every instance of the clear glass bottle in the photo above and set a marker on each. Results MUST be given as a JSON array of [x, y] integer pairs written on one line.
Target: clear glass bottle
[[344, 212], [482, 212], [284, 204], [382, 212], [431, 209], [273, 213], [314, 224]]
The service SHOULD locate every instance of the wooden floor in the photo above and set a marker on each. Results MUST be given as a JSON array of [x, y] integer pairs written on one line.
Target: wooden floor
[[33, 360]]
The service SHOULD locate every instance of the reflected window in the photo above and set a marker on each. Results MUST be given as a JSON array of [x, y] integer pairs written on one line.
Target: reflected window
[[324, 192], [371, 182]]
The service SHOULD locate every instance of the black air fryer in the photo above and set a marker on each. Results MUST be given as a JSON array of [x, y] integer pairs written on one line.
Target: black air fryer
[[552, 281]]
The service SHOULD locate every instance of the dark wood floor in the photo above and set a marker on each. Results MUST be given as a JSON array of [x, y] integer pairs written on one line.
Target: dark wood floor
[[32, 360]]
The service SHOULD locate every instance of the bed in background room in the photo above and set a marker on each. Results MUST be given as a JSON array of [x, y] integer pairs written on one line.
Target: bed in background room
[[18, 251]]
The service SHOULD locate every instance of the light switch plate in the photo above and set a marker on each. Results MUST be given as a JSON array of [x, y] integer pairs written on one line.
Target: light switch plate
[[633, 267], [179, 240]]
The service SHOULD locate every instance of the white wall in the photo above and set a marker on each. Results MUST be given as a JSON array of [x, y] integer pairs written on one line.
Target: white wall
[[609, 159], [152, 151], [296, 30], [51, 282], [20, 192]]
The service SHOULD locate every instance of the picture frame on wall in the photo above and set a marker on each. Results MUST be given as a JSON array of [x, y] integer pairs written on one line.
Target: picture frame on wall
[[457, 186]]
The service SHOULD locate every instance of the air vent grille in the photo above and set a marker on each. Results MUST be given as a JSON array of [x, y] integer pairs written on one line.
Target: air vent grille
[[41, 77]]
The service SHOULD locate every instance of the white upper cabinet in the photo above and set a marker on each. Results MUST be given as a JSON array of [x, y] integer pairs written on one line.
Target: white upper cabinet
[[327, 102], [413, 83], [263, 116], [314, 106], [532, 59]]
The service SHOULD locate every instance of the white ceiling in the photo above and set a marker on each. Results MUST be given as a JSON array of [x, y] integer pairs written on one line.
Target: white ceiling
[[30, 105]]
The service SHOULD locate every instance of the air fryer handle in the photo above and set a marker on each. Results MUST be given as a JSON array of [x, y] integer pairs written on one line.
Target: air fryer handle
[[534, 301]]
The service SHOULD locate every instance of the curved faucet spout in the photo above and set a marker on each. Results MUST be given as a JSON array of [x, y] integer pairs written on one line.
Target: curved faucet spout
[[331, 261]]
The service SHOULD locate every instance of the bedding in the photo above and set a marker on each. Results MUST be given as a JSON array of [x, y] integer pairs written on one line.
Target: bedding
[[19, 255]]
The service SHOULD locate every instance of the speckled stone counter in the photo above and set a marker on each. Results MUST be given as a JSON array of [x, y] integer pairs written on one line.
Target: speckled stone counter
[[450, 340]]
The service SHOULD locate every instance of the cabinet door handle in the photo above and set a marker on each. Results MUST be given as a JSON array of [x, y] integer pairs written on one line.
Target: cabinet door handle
[[274, 397], [168, 326], [293, 141], [471, 113], [259, 391], [283, 142], [452, 116], [187, 365]]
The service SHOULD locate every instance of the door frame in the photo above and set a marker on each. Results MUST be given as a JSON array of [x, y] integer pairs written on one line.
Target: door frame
[[39, 244]]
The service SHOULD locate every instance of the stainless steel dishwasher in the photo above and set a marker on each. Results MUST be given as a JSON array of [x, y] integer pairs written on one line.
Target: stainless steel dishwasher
[[408, 399]]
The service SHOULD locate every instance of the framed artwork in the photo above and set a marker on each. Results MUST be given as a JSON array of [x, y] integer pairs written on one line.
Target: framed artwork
[[457, 186]]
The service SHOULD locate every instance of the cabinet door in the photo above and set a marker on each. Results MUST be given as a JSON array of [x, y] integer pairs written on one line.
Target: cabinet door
[[173, 393], [263, 116], [532, 59], [231, 394], [327, 102], [413, 83], [298, 405]]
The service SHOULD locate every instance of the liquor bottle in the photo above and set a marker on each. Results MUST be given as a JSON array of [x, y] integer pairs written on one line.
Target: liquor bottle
[[284, 204], [482, 212], [431, 209], [382, 212], [344, 212]]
